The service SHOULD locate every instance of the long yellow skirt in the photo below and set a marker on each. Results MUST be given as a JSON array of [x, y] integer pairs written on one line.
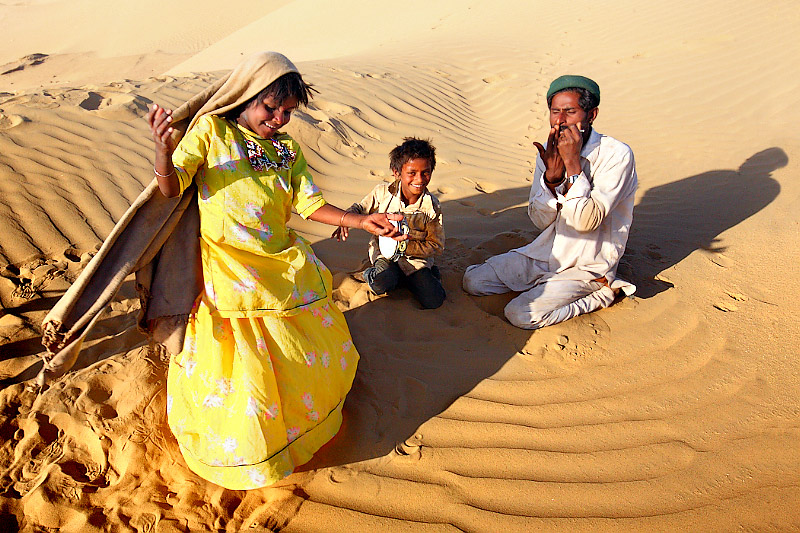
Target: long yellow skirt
[[249, 399]]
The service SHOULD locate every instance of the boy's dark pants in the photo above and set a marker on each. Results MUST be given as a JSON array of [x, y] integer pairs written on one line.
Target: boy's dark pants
[[425, 284]]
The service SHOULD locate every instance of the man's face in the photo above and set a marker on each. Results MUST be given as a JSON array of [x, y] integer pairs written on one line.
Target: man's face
[[565, 110]]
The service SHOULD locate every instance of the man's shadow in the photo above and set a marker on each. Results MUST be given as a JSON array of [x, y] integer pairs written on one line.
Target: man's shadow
[[673, 220], [402, 342]]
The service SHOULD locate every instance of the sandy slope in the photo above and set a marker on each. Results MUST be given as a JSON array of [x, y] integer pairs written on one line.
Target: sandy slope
[[676, 410]]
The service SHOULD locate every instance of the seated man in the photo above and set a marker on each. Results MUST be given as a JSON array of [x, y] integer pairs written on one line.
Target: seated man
[[582, 199]]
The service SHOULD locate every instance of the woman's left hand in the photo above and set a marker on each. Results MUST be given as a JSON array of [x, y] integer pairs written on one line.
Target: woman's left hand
[[380, 224]]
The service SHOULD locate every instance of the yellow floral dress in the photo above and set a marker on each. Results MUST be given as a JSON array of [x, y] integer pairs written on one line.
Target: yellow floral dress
[[268, 358]]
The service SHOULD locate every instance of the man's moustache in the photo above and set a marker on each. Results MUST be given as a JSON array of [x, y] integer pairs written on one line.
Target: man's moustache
[[564, 126]]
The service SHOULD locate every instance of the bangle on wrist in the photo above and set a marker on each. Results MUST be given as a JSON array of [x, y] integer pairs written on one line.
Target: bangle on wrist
[[341, 220], [160, 175], [553, 182]]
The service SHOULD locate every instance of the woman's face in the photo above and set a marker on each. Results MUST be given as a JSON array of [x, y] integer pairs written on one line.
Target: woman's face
[[265, 117]]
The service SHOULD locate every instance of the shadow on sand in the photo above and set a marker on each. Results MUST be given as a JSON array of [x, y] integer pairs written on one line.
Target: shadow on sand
[[398, 385]]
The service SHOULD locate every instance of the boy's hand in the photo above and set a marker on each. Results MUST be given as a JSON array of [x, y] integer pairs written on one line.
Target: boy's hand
[[340, 234]]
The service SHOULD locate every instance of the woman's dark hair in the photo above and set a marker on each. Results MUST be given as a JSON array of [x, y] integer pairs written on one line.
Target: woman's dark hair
[[586, 100], [289, 85], [412, 148]]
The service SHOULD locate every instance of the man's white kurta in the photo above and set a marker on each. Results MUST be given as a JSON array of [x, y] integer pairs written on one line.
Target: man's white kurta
[[584, 231]]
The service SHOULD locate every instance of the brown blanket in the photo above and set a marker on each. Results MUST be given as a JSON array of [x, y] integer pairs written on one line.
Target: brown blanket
[[158, 238]]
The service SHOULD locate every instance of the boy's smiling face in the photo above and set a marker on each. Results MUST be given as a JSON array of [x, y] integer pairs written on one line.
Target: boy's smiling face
[[414, 178]]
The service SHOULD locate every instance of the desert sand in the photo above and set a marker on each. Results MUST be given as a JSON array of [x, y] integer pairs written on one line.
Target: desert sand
[[674, 410]]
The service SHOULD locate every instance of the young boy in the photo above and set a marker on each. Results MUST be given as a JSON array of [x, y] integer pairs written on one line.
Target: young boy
[[412, 164]]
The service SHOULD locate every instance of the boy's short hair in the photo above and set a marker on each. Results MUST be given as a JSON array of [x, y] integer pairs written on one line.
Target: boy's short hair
[[412, 148]]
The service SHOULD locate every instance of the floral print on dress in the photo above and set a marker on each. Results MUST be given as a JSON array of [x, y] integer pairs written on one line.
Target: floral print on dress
[[309, 296], [244, 285], [213, 401], [320, 265], [225, 386], [343, 362], [240, 232], [310, 357], [308, 401], [346, 345], [257, 477], [205, 192], [292, 433], [252, 409], [310, 189], [253, 272], [272, 411], [254, 210], [230, 444], [210, 291], [222, 330], [325, 359]]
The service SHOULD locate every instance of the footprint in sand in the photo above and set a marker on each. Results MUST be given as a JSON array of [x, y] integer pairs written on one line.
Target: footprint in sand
[[341, 475], [444, 189], [30, 471], [10, 121], [331, 108], [31, 60], [482, 186], [115, 105], [727, 306], [498, 77], [409, 449], [739, 297], [145, 522]]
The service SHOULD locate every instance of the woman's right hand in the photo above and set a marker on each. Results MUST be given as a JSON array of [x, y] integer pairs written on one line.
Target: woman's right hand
[[340, 234], [380, 224], [159, 120]]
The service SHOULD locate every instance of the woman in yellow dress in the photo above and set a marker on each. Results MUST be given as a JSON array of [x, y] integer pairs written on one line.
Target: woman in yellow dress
[[267, 359]]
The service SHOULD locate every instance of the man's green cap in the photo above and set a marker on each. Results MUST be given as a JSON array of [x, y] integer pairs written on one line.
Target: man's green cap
[[571, 82]]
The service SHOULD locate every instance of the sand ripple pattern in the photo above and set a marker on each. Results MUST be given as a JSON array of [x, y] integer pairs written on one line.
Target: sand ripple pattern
[[676, 411]]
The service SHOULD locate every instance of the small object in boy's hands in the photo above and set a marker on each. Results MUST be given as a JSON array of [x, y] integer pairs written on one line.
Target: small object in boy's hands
[[390, 248]]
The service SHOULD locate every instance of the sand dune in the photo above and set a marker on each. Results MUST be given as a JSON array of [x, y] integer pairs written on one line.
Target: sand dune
[[675, 410]]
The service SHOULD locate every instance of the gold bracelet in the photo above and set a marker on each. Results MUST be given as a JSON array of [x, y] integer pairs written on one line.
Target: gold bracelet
[[157, 173], [342, 219]]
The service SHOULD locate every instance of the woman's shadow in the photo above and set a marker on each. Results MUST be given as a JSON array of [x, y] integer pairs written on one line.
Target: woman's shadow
[[673, 220]]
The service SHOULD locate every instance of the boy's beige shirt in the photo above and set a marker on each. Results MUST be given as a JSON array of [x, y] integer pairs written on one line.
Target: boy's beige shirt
[[424, 219]]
